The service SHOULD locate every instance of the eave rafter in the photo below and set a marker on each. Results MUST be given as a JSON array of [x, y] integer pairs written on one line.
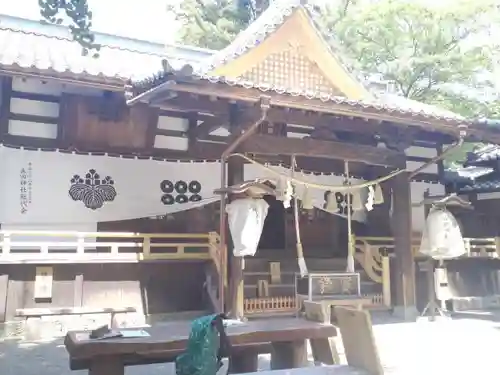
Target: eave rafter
[[302, 121], [251, 96]]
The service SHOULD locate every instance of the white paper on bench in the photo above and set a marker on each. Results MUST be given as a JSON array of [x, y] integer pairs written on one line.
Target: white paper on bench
[[128, 334], [135, 333]]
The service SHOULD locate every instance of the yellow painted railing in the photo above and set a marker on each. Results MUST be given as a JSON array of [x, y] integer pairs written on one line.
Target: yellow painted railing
[[71, 246], [270, 305], [476, 247], [373, 254]]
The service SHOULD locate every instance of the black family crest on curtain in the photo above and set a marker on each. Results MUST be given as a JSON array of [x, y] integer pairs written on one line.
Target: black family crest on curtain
[[92, 190], [341, 200], [180, 191]]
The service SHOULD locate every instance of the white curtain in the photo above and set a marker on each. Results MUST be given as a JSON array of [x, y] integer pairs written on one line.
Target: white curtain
[[58, 188]]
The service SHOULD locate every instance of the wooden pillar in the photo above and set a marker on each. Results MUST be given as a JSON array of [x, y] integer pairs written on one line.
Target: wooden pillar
[[235, 175], [404, 303]]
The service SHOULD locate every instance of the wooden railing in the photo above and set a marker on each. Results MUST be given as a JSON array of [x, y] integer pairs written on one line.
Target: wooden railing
[[102, 247], [375, 262], [270, 305], [373, 254]]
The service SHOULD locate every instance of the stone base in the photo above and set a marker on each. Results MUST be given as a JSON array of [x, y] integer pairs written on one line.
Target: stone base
[[475, 303], [406, 313]]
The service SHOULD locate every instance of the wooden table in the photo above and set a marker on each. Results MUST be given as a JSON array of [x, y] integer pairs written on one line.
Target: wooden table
[[323, 370], [284, 338]]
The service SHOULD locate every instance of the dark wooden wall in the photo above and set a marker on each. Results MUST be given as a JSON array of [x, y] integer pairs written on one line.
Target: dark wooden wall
[[155, 288], [104, 123]]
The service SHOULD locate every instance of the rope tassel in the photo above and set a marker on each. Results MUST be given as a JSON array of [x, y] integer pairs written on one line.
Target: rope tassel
[[378, 197], [300, 251]]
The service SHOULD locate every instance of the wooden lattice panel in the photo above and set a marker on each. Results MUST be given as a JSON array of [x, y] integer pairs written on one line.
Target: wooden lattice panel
[[290, 70]]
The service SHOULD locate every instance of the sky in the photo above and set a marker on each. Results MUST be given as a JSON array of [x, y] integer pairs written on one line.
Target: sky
[[139, 19]]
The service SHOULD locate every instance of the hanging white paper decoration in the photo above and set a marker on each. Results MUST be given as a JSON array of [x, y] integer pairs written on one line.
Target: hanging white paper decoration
[[441, 237], [378, 196], [246, 220], [356, 203], [370, 199], [307, 200], [287, 194], [331, 203], [281, 187]]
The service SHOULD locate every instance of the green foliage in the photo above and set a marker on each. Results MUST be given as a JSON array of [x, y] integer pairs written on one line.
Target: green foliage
[[423, 49], [80, 17], [215, 23]]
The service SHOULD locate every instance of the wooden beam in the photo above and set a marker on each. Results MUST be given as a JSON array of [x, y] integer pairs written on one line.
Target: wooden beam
[[218, 108], [268, 144], [209, 125], [290, 116], [251, 96], [447, 127]]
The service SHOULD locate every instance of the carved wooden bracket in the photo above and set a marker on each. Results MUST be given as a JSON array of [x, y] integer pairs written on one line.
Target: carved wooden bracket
[[397, 138]]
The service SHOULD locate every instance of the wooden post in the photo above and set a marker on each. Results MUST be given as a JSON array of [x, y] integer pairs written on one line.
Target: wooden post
[[235, 171], [405, 304]]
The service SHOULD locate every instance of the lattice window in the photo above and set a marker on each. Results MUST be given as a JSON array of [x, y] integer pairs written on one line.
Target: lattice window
[[292, 71]]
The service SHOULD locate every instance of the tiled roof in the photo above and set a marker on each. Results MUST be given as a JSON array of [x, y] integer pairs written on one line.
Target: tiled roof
[[269, 21], [413, 106], [29, 46], [466, 175], [482, 187], [483, 156]]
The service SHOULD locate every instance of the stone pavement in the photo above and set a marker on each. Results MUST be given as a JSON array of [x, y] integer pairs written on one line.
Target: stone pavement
[[468, 345]]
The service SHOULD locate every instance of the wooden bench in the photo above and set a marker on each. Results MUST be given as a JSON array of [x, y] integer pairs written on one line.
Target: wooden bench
[[284, 338], [37, 313], [323, 370]]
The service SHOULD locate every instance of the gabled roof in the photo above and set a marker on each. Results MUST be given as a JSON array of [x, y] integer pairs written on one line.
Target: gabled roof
[[284, 50], [29, 47]]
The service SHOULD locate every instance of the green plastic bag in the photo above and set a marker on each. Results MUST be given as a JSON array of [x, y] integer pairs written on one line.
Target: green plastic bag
[[206, 346]]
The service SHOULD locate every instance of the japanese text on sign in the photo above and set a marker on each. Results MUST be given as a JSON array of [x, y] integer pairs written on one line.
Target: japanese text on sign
[[25, 188]]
